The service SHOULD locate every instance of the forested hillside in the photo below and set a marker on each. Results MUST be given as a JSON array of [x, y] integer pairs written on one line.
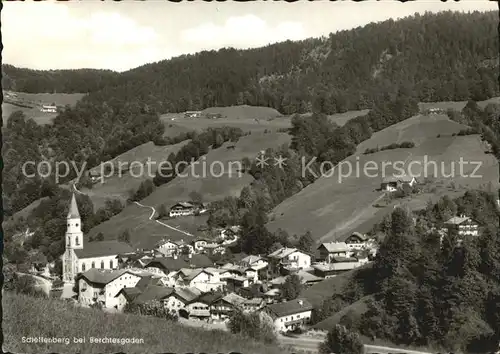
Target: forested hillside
[[440, 57], [52, 81]]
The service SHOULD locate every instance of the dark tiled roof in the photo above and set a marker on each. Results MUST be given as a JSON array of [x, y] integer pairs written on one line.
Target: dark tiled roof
[[130, 293], [103, 276], [209, 298], [290, 307], [172, 264], [153, 292], [187, 295], [103, 248], [146, 281]]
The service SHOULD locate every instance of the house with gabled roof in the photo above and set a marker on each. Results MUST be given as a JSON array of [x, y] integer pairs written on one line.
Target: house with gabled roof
[[289, 259], [164, 266], [357, 241], [462, 225], [100, 286], [200, 278], [393, 183], [287, 316], [328, 250]]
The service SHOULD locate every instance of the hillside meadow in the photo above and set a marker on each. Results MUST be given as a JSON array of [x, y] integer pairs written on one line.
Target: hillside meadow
[[341, 202], [119, 184], [42, 118], [212, 187], [25, 316]]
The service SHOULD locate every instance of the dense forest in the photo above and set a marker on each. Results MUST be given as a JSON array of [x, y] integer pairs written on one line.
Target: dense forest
[[440, 57], [56, 81], [422, 291]]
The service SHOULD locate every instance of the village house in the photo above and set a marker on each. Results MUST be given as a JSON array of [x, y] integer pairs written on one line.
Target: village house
[[100, 286], [179, 299], [254, 304], [288, 316], [393, 183], [222, 308], [129, 294], [333, 269], [48, 109], [167, 266], [192, 114], [213, 249], [152, 293], [235, 283], [167, 247], [136, 259], [357, 241], [186, 208], [462, 225], [288, 259], [200, 243], [200, 307], [199, 278], [326, 251], [255, 262], [78, 258]]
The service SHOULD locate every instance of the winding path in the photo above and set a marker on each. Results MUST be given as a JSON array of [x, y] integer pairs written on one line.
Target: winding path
[[153, 212]]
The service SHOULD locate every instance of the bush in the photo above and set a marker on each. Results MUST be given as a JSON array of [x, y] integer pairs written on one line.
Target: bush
[[24, 285], [256, 325], [340, 340], [57, 283], [152, 308]]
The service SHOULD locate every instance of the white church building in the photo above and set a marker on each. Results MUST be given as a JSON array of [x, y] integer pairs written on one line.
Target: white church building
[[78, 257]]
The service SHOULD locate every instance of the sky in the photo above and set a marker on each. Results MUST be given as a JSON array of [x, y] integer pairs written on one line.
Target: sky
[[123, 35]]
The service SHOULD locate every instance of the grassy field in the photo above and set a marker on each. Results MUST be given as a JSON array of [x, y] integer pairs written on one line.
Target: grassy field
[[200, 179], [325, 289], [354, 311], [60, 99], [247, 118], [336, 206], [456, 105], [116, 186], [29, 317]]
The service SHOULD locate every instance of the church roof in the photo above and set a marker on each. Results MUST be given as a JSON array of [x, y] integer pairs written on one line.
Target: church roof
[[73, 209], [103, 276], [103, 248]]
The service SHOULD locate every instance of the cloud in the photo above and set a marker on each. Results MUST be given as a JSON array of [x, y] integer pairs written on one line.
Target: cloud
[[242, 32], [49, 32]]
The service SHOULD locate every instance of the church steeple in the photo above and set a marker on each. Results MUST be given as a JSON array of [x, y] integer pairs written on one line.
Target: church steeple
[[73, 209]]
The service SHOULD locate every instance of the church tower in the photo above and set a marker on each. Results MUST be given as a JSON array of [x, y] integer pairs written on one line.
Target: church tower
[[74, 240]]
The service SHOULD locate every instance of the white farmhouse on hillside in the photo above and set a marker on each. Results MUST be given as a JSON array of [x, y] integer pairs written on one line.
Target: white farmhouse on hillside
[[100, 286], [462, 225], [290, 315], [289, 259]]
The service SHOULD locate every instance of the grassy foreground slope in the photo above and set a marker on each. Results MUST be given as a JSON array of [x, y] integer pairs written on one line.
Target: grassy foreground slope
[[25, 316], [342, 202], [211, 186]]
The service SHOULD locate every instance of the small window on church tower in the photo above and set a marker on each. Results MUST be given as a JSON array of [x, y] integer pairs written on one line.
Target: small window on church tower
[[76, 241], [76, 225], [83, 267], [93, 264]]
